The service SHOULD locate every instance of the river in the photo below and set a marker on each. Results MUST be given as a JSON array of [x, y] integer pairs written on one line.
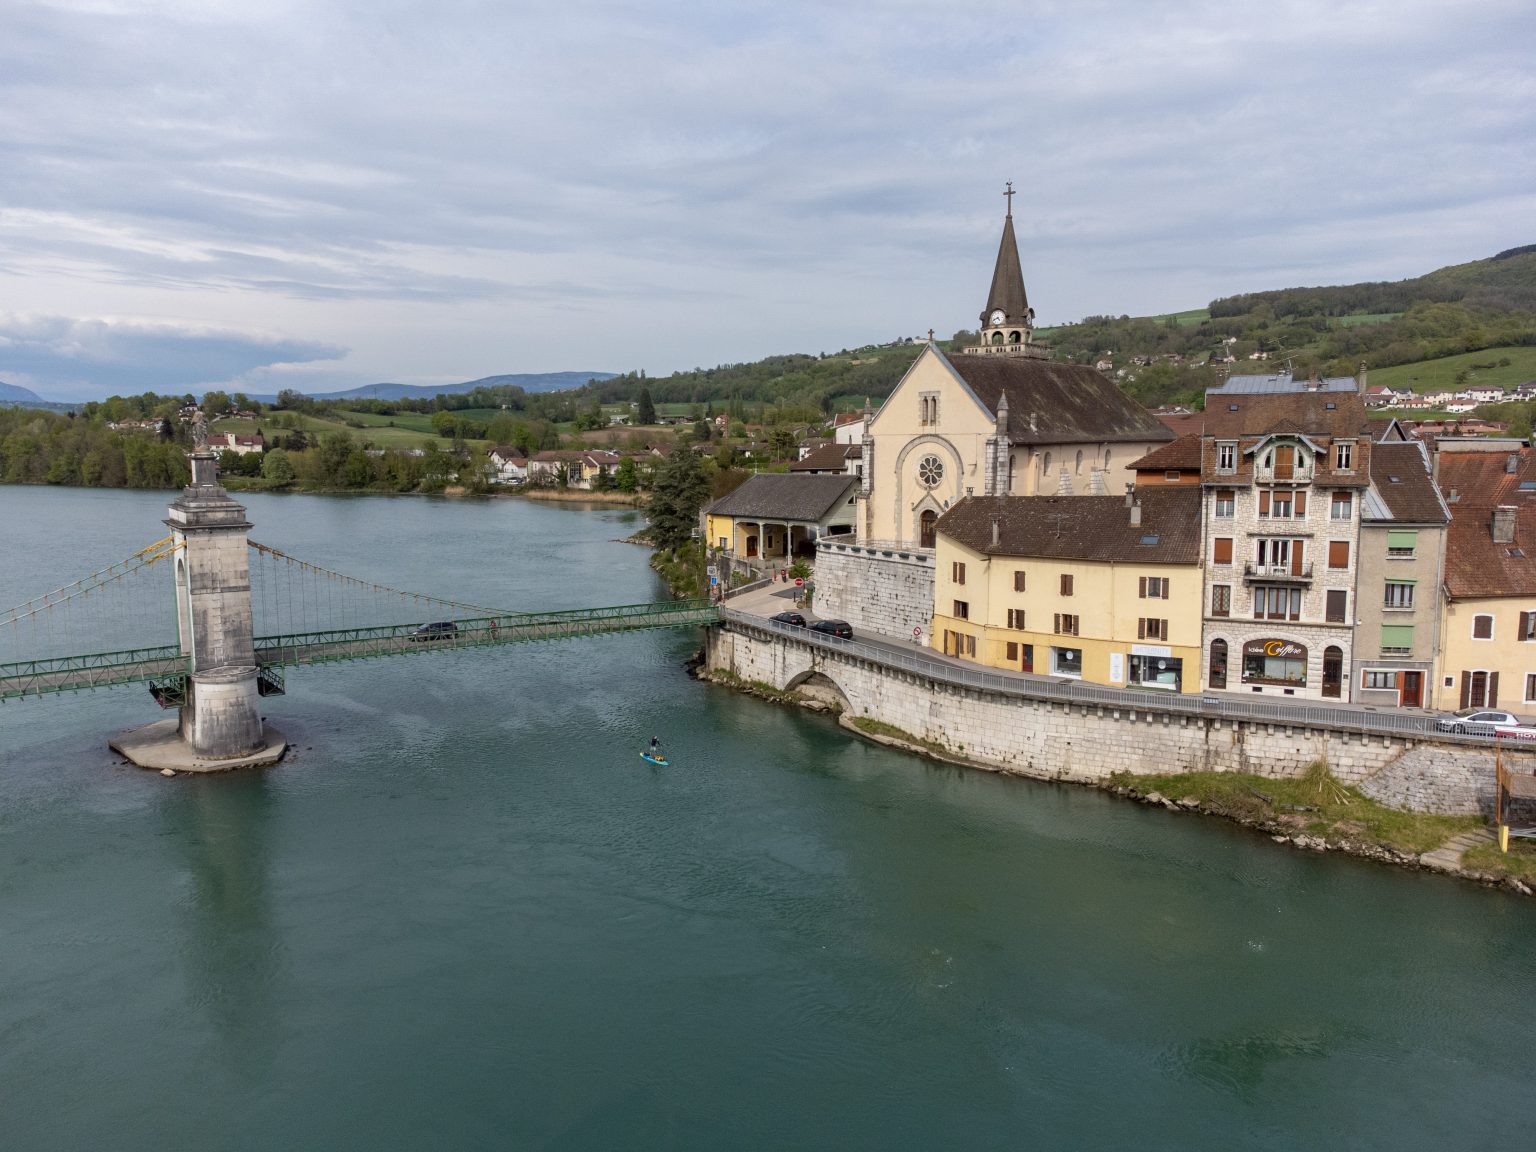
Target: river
[[465, 914]]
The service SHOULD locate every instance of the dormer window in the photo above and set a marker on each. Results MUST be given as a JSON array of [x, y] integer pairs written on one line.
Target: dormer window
[[1344, 456], [1226, 456]]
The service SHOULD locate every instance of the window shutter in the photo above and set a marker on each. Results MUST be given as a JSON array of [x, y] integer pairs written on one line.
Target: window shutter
[[1338, 553], [1263, 503], [1141, 628], [1297, 550], [1402, 538], [1525, 625], [1301, 504], [1142, 592], [1493, 689], [1466, 689], [1165, 587], [1223, 550], [1056, 626]]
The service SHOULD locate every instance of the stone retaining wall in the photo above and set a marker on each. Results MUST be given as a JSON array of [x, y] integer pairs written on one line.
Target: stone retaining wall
[[879, 589], [1088, 742]]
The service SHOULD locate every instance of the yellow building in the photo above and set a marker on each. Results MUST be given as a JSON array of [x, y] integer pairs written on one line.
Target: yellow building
[[1488, 629], [773, 518], [1099, 588], [996, 419]]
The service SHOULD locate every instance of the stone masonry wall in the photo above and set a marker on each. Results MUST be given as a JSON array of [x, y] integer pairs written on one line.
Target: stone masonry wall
[[1087, 742], [884, 590]]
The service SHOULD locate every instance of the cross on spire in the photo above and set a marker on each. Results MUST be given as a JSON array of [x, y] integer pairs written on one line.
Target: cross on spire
[[1009, 194]]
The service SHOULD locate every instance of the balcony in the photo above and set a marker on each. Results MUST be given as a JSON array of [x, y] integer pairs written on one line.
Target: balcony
[[1276, 574]]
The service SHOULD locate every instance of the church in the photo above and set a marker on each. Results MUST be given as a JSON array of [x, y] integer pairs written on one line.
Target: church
[[996, 419]]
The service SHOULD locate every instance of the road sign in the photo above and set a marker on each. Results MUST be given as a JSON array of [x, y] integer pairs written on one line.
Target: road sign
[[713, 580], [711, 572], [917, 633], [799, 583]]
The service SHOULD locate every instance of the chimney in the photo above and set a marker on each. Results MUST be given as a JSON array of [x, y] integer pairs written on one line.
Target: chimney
[[1136, 514], [1360, 377], [1033, 427], [1130, 494], [1313, 384], [1504, 524], [994, 532]]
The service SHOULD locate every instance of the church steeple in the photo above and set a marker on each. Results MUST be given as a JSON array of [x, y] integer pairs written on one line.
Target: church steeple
[[1006, 302], [1008, 322]]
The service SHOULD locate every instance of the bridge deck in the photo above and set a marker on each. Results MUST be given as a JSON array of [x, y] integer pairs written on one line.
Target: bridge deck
[[26, 678]]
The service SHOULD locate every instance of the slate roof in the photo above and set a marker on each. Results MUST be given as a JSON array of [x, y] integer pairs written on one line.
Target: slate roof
[[1279, 382], [1402, 491], [1182, 455], [1082, 527], [1071, 403], [1007, 291], [780, 496], [1476, 567]]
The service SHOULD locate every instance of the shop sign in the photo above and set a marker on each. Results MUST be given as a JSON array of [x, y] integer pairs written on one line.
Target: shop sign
[[1275, 649], [1151, 650]]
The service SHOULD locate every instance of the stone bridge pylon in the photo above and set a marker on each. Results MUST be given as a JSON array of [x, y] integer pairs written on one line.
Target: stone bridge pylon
[[219, 725]]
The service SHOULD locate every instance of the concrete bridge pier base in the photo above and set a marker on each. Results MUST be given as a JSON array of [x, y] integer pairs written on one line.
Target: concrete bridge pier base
[[220, 725]]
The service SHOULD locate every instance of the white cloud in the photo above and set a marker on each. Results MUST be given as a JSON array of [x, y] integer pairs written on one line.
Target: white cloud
[[457, 189]]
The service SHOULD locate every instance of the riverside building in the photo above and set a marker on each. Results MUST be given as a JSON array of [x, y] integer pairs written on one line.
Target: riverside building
[[1100, 588], [1284, 467]]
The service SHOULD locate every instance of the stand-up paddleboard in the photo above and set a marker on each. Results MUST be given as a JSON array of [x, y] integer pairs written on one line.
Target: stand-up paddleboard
[[662, 760]]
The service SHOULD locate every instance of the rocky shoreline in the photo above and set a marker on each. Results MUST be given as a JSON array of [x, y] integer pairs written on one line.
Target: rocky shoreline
[[1282, 828]]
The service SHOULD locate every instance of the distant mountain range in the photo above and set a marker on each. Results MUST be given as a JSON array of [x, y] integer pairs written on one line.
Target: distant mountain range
[[16, 394], [527, 381]]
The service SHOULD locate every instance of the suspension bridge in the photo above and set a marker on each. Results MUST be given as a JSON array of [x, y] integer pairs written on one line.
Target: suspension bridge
[[209, 620]]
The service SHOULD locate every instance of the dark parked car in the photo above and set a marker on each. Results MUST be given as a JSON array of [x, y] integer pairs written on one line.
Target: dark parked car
[[839, 628], [437, 630], [791, 618]]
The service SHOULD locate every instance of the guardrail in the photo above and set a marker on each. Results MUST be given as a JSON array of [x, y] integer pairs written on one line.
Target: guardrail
[[1061, 691], [93, 670]]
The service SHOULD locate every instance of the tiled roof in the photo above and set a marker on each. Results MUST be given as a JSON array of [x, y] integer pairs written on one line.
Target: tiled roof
[[1082, 527], [1069, 403], [1401, 483], [1183, 454], [828, 458], [1476, 567], [778, 496], [1316, 413]]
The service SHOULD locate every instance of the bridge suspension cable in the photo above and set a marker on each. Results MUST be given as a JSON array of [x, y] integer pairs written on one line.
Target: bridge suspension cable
[[96, 581], [290, 596]]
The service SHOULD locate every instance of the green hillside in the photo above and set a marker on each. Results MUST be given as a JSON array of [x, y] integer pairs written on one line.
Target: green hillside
[[1490, 368]]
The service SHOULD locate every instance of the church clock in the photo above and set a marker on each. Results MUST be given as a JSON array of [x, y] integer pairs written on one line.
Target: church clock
[[997, 318]]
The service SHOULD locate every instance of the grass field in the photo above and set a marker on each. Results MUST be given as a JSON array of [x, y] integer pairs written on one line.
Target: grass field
[[1440, 375], [370, 427]]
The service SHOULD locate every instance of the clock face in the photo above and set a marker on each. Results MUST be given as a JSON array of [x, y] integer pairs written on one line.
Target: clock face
[[998, 317]]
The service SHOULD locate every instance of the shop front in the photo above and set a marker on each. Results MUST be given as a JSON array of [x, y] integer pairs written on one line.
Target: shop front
[[1275, 662], [1155, 666]]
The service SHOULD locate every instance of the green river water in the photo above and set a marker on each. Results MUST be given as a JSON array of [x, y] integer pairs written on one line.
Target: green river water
[[465, 914]]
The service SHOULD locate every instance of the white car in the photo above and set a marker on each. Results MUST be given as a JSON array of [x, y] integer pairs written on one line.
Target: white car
[[1483, 722]]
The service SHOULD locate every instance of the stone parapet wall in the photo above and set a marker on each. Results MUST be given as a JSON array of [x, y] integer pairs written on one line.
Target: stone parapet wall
[[1087, 742], [883, 589]]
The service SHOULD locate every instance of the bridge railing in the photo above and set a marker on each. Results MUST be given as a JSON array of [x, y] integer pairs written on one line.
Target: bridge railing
[[1148, 699], [94, 670], [477, 631]]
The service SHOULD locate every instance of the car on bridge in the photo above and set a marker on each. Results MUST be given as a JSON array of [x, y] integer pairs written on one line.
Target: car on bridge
[[437, 630], [794, 619], [839, 628], [1485, 722]]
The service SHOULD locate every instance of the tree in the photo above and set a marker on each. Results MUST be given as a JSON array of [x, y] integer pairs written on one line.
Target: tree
[[680, 492], [215, 403], [646, 413], [445, 424], [703, 429], [627, 478], [782, 443], [276, 467]]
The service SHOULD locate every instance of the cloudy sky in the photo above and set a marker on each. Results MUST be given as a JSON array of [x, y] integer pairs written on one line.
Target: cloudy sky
[[318, 193]]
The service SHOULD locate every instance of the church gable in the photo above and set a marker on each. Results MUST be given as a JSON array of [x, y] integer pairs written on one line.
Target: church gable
[[930, 396]]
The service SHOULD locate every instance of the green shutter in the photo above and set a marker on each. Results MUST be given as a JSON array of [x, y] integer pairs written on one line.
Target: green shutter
[[1403, 580], [1397, 635], [1402, 538]]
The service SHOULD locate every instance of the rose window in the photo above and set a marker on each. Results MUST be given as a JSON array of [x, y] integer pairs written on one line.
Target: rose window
[[930, 470]]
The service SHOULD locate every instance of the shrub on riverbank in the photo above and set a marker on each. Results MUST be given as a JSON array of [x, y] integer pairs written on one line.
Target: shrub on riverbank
[[1314, 805], [683, 569]]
